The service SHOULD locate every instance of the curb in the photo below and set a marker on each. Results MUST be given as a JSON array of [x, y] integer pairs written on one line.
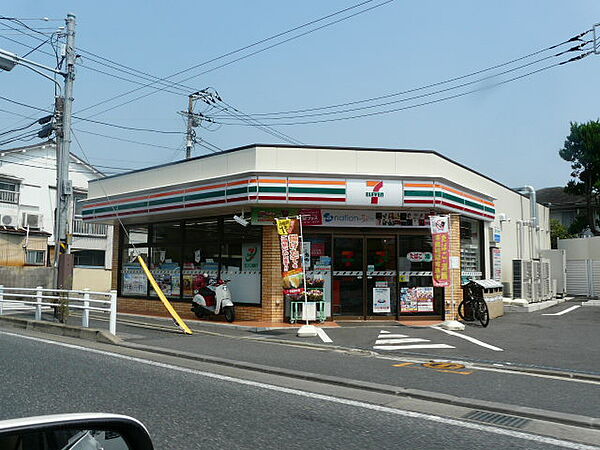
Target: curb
[[521, 411], [60, 329], [504, 365]]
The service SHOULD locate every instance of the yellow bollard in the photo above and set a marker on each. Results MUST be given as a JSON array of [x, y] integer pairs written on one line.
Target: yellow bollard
[[162, 297]]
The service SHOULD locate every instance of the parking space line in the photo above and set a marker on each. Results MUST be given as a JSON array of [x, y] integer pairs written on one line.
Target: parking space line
[[399, 341], [406, 347], [469, 338], [572, 308], [324, 336], [392, 336]]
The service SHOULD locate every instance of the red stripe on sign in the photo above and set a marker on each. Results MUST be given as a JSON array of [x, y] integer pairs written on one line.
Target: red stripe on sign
[[238, 199], [462, 208], [429, 202], [271, 197]]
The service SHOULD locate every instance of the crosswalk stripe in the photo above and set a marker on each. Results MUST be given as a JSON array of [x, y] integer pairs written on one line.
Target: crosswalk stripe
[[400, 341], [389, 336], [405, 347]]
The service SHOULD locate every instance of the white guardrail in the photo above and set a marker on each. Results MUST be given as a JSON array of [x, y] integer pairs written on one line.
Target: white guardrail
[[85, 300]]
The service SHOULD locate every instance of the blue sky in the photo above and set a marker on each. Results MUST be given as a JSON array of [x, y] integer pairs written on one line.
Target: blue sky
[[511, 132]]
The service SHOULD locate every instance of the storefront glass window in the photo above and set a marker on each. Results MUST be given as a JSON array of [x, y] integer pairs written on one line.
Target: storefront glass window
[[317, 260], [133, 278], [167, 233], [200, 253], [470, 249], [165, 265], [136, 235], [417, 294], [241, 261]]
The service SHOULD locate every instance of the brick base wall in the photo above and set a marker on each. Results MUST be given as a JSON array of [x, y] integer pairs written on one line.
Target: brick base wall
[[453, 294]]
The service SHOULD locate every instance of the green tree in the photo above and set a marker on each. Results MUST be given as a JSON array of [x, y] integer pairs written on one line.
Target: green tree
[[558, 231], [582, 150]]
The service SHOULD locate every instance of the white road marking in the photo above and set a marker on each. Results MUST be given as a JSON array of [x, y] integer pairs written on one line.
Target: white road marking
[[324, 336], [399, 341], [572, 308], [391, 336], [327, 398], [469, 338], [405, 347], [383, 332]]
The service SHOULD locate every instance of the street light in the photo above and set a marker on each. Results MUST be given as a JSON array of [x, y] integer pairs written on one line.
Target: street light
[[63, 112]]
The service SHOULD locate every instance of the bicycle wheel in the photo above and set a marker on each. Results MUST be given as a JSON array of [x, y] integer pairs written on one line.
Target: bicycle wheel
[[465, 311], [482, 313]]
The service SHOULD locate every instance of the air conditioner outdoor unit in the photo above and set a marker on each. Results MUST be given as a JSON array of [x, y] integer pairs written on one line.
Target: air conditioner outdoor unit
[[9, 220], [523, 279], [32, 220]]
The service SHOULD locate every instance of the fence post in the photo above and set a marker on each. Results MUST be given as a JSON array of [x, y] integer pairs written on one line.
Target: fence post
[[1, 298], [112, 327], [38, 306], [85, 315]]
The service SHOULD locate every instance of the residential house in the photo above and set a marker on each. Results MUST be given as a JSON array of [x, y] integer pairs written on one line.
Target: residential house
[[564, 207], [27, 204]]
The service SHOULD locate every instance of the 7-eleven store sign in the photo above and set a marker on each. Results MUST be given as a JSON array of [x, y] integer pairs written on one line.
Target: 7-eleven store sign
[[374, 192]]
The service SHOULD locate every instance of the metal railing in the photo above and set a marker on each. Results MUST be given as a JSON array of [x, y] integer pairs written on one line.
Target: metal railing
[[103, 302], [9, 196], [88, 229]]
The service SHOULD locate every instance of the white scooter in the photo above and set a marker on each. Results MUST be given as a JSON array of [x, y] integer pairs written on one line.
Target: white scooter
[[213, 298]]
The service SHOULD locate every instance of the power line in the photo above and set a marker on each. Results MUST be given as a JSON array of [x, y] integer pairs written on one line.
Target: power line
[[293, 113], [241, 49], [126, 140], [428, 102], [415, 97]]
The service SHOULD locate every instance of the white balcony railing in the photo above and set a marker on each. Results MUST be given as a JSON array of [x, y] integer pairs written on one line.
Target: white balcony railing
[[9, 196], [82, 228]]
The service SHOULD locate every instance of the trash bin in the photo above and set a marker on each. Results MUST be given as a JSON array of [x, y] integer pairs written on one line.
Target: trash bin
[[492, 293]]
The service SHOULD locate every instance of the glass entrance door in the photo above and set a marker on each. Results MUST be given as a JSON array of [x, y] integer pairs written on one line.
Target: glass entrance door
[[381, 295], [348, 275], [364, 277]]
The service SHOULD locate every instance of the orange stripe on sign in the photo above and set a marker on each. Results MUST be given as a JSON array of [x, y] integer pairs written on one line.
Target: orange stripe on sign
[[204, 188], [472, 197], [418, 185], [235, 183], [328, 182], [270, 180], [372, 183]]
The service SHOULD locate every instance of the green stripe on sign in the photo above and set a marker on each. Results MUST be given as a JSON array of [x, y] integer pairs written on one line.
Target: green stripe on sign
[[164, 201], [234, 191], [121, 207], [490, 210], [305, 190], [205, 195], [271, 189], [453, 198], [418, 193], [473, 204], [252, 189]]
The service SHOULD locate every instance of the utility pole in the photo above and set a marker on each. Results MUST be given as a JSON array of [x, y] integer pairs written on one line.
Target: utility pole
[[64, 189], [194, 120], [191, 133]]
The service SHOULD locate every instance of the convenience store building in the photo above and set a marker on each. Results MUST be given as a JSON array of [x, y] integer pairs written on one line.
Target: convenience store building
[[366, 229]]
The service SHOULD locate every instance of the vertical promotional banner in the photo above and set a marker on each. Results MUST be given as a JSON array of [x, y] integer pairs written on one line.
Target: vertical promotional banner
[[440, 235], [291, 258]]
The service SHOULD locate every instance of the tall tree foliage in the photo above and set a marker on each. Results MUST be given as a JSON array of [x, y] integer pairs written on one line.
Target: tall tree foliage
[[582, 150]]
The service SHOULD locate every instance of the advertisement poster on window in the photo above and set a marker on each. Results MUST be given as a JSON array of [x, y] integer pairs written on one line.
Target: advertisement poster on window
[[250, 257], [416, 299], [381, 300], [167, 277], [496, 264], [292, 268], [134, 281], [440, 235]]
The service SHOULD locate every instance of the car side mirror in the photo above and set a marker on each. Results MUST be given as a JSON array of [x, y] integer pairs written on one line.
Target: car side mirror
[[89, 431]]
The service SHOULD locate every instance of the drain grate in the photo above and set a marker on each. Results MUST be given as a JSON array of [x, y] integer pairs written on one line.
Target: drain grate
[[497, 419]]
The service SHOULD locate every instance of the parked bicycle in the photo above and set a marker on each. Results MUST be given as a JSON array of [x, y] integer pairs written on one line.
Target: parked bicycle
[[474, 308]]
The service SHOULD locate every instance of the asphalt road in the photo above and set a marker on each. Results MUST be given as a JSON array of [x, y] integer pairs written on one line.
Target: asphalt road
[[191, 409]]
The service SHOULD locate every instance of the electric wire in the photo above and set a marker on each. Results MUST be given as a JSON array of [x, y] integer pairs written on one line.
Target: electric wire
[[431, 101], [226, 55], [428, 94]]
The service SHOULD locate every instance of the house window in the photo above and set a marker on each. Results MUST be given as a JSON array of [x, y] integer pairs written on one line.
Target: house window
[[9, 191], [90, 258], [35, 257]]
